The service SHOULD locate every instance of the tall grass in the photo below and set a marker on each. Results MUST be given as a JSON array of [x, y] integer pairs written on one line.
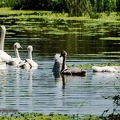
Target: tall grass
[[72, 7]]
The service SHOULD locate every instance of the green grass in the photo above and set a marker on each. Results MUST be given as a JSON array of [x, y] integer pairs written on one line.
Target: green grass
[[89, 66], [110, 38], [51, 116], [49, 15], [35, 17]]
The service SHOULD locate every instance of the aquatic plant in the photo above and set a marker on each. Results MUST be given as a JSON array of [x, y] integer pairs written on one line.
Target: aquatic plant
[[72, 7], [51, 116]]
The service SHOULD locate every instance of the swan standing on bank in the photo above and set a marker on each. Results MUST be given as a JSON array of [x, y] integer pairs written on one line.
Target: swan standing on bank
[[29, 63], [70, 71], [4, 57], [17, 60]]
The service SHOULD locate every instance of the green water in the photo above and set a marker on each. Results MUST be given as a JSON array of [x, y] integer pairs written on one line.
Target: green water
[[86, 42]]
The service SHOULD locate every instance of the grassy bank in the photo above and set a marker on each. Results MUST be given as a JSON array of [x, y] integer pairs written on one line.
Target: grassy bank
[[52, 116], [114, 17]]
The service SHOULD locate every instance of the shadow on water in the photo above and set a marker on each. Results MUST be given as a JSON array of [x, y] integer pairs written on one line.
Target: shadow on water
[[39, 90]]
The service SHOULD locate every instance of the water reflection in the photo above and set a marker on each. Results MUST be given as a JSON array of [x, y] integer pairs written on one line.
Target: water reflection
[[39, 90], [2, 88], [31, 90], [60, 80], [76, 37]]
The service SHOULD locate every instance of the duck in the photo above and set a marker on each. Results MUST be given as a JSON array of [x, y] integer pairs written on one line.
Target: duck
[[58, 64], [29, 63], [17, 60], [106, 69], [4, 57], [72, 70]]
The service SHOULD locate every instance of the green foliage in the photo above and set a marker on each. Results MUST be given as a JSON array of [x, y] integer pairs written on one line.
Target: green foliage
[[52, 116], [72, 7], [36, 116]]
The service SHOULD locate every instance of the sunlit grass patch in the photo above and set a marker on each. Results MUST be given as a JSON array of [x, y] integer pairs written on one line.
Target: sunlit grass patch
[[110, 38], [51, 116], [37, 116], [8, 12], [89, 66], [111, 53]]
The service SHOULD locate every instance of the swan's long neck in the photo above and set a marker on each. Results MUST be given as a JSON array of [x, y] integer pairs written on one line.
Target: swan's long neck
[[63, 64], [2, 40], [30, 54], [17, 53]]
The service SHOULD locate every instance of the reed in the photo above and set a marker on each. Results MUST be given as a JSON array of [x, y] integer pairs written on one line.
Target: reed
[[72, 7]]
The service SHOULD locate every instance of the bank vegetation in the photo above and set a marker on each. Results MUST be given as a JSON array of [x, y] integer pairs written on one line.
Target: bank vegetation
[[72, 7]]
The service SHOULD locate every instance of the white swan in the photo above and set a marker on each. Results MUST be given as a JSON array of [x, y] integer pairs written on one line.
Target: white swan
[[106, 69], [17, 60], [3, 55], [29, 63], [58, 63]]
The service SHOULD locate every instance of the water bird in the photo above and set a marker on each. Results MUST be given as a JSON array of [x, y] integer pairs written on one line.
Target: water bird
[[72, 70], [17, 60], [4, 57], [58, 64], [29, 63], [106, 69]]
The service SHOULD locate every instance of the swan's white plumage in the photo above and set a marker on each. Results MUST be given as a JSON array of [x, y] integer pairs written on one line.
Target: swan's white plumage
[[106, 69], [29, 63], [58, 63], [4, 57], [17, 60]]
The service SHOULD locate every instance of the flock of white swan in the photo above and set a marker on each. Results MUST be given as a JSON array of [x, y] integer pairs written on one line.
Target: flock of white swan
[[7, 59], [59, 64]]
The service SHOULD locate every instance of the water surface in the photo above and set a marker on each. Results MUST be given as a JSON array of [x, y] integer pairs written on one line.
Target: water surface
[[39, 90]]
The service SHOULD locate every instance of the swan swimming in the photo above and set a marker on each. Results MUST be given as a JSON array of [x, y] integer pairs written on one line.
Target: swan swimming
[[3, 55], [106, 69], [70, 71], [17, 60], [63, 68], [58, 63], [29, 63]]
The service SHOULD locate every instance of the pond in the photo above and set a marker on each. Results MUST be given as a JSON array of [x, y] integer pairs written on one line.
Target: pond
[[39, 90]]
